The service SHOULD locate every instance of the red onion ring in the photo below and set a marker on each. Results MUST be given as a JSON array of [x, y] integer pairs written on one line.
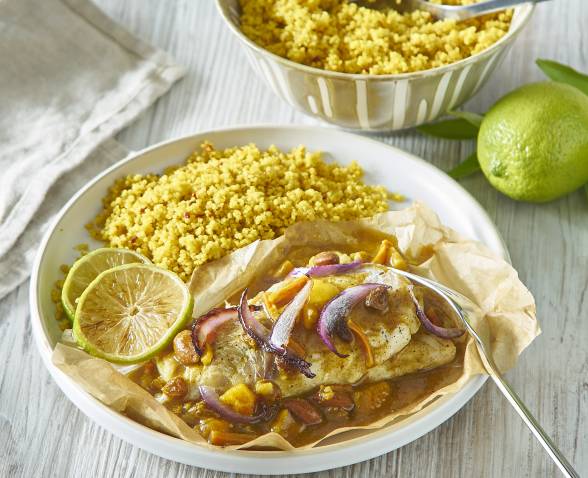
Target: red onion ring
[[212, 401], [205, 327], [251, 325], [290, 359], [332, 319], [326, 270], [285, 323], [444, 333], [261, 336]]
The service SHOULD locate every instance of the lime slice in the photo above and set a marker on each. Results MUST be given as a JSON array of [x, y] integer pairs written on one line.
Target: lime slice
[[131, 312], [87, 268]]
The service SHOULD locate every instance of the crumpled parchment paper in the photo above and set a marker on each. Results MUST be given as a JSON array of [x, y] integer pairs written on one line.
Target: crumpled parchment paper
[[505, 310]]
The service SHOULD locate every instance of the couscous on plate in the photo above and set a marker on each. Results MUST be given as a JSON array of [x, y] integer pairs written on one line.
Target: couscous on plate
[[221, 200]]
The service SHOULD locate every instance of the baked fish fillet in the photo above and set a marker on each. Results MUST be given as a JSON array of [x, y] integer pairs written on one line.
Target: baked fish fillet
[[398, 346]]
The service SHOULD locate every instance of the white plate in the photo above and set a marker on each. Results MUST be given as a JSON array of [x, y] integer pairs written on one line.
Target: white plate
[[395, 169]]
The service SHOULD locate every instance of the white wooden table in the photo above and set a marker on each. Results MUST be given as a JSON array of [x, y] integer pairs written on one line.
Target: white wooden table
[[43, 434]]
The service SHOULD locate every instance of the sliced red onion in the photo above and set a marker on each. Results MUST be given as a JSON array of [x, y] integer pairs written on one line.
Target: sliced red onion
[[213, 402], [261, 335], [252, 327], [285, 323], [332, 319], [205, 327], [327, 270], [444, 333], [287, 357]]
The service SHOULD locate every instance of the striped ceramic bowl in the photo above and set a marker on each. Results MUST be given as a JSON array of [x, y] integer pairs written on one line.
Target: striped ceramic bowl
[[374, 102]]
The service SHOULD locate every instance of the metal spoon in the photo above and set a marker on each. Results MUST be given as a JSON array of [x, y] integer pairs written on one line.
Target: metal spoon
[[460, 305], [444, 12]]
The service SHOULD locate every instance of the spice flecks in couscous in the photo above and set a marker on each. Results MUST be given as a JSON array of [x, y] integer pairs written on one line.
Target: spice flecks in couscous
[[339, 35], [221, 200]]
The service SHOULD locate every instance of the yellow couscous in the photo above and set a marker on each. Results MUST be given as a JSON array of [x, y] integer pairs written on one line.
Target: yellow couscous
[[339, 35], [221, 200]]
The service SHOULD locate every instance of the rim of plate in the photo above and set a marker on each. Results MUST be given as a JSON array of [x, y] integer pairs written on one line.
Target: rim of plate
[[525, 11], [348, 452]]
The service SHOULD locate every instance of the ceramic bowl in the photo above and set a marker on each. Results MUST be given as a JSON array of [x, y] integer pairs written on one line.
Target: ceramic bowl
[[374, 102]]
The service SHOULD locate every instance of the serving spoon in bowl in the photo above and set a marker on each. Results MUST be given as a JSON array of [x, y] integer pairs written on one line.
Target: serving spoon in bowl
[[460, 305], [444, 12]]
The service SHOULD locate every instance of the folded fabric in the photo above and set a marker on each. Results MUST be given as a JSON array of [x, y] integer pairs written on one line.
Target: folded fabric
[[71, 78], [17, 262]]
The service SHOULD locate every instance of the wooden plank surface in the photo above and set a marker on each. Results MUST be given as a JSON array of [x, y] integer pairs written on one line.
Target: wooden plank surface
[[43, 434]]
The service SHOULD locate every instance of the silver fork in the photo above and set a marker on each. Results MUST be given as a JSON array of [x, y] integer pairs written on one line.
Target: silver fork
[[444, 12], [460, 305]]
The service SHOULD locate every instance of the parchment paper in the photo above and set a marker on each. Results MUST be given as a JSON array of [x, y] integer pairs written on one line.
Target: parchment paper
[[505, 309]]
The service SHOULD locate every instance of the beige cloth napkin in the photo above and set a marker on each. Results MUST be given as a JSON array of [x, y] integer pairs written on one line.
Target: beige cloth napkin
[[70, 79]]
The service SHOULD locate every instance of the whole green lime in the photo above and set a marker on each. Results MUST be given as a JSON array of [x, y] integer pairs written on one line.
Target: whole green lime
[[533, 143]]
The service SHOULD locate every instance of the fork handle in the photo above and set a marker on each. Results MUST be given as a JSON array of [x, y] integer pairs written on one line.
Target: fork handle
[[490, 6], [556, 455], [457, 303], [473, 10]]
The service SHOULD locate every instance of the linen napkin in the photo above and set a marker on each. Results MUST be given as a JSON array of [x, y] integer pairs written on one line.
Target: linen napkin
[[70, 79]]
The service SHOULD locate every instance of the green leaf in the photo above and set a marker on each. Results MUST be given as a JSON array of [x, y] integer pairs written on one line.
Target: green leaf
[[466, 168], [450, 129], [472, 118], [586, 190], [564, 74]]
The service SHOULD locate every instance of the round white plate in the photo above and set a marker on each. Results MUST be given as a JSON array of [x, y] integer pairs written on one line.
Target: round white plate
[[395, 169]]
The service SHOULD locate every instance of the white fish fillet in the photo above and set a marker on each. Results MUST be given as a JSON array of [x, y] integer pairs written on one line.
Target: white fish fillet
[[397, 350]]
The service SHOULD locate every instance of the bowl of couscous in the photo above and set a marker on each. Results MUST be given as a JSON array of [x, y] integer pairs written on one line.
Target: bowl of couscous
[[369, 70]]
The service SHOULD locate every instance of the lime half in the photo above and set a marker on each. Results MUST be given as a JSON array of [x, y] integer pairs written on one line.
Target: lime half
[[131, 312], [87, 268]]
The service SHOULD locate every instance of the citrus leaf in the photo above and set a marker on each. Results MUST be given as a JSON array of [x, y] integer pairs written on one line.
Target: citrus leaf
[[450, 129], [564, 74], [473, 118], [466, 168]]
